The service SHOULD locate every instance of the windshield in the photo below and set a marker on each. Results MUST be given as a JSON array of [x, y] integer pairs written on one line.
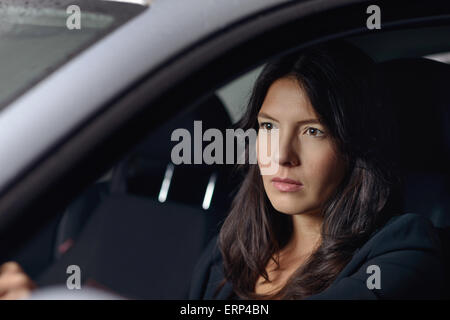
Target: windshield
[[36, 37]]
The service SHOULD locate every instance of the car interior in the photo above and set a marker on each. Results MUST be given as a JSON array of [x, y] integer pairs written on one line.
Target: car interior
[[140, 229]]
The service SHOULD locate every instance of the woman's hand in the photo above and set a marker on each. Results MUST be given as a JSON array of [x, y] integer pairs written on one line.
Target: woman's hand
[[14, 282]]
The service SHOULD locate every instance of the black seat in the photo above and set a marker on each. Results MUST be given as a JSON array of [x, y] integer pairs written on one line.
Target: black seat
[[137, 244], [143, 171], [418, 92], [137, 248]]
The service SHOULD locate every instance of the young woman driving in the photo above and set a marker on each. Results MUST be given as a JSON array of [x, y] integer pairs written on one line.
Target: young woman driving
[[326, 225]]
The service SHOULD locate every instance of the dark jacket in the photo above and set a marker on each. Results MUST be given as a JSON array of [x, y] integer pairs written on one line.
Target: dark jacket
[[407, 250]]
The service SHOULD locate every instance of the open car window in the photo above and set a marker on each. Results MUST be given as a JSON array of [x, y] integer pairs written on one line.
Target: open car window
[[42, 35]]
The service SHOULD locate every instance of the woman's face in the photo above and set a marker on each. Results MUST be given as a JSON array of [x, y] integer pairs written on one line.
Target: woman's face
[[306, 155]]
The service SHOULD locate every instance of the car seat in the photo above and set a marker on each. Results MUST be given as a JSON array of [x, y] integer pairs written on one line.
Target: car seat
[[135, 243]]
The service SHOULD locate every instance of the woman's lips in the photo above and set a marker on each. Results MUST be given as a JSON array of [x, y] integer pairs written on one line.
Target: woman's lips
[[286, 185]]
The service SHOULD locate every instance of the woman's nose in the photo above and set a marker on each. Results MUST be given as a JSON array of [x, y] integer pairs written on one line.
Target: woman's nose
[[287, 154]]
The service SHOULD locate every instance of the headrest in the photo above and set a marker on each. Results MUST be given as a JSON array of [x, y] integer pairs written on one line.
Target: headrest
[[158, 145], [143, 170], [418, 93]]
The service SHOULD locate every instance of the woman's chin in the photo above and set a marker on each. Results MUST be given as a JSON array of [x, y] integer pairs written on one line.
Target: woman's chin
[[289, 210], [292, 208]]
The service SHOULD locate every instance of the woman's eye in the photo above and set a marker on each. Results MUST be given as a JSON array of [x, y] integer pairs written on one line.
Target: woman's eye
[[266, 125], [314, 132]]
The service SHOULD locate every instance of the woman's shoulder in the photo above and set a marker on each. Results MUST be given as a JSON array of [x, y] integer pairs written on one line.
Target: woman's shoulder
[[211, 255], [406, 251], [402, 260], [208, 274], [402, 232]]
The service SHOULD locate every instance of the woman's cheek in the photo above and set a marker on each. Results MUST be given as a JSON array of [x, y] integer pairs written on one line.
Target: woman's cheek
[[322, 169]]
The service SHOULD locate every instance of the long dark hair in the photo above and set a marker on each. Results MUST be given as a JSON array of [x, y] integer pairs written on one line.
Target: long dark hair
[[342, 85]]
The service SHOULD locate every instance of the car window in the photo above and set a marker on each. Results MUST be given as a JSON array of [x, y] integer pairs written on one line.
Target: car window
[[235, 94], [36, 37]]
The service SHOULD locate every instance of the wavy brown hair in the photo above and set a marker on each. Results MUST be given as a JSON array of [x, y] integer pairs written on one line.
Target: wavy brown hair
[[342, 85]]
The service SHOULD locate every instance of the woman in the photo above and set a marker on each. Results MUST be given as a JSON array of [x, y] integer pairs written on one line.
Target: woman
[[327, 224]]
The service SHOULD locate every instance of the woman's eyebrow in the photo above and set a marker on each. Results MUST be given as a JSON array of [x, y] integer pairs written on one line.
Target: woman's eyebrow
[[302, 122], [308, 121], [264, 115]]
